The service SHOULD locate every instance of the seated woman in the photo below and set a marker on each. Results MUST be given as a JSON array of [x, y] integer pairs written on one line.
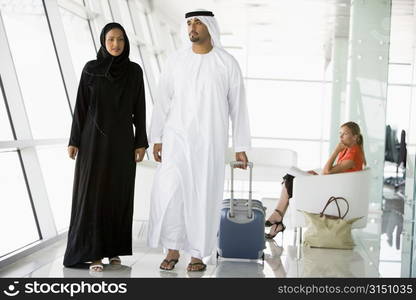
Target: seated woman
[[350, 154]]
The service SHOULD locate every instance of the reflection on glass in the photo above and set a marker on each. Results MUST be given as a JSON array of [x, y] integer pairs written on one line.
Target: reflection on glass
[[398, 178], [5, 130], [17, 222], [58, 173], [37, 68], [79, 38]]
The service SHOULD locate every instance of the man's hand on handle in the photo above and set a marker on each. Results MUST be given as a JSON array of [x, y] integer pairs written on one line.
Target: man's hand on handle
[[241, 156]]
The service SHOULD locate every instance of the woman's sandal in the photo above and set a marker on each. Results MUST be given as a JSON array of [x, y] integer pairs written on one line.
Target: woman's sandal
[[190, 265], [169, 262], [271, 236], [268, 223], [114, 260], [96, 267]]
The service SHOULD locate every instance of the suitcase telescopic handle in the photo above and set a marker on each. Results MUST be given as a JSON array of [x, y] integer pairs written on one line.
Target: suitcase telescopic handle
[[232, 165]]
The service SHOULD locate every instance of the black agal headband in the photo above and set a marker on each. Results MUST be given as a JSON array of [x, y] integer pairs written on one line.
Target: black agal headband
[[199, 13]]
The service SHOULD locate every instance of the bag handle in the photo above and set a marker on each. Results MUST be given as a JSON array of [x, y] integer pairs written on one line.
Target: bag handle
[[334, 199], [250, 165]]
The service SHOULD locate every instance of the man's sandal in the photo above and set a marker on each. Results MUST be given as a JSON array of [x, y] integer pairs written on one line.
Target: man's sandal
[[203, 267], [114, 260], [169, 263]]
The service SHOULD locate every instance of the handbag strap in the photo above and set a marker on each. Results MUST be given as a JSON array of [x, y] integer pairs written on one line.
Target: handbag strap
[[334, 199], [330, 200]]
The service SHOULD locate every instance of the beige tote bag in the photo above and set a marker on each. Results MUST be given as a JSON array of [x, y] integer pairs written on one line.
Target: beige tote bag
[[326, 231]]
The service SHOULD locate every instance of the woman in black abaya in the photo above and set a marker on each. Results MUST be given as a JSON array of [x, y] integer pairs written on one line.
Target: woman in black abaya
[[110, 101]]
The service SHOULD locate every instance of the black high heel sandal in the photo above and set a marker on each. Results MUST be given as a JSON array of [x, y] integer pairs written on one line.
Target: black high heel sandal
[[272, 236], [268, 223]]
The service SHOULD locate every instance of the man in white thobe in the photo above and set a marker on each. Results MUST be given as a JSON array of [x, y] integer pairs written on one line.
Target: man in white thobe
[[200, 88]]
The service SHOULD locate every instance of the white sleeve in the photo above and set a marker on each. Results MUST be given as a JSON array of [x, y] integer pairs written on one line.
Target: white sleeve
[[161, 105], [238, 111]]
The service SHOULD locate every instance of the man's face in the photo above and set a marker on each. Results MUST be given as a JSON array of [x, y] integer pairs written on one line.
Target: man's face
[[197, 31]]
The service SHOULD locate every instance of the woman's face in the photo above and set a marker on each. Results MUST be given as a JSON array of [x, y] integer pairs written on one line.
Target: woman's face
[[114, 42], [346, 137]]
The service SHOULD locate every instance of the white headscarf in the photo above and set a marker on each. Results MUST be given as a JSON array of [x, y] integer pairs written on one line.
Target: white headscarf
[[213, 29]]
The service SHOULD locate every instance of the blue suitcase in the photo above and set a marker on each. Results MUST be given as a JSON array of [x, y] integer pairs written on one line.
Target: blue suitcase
[[241, 232]]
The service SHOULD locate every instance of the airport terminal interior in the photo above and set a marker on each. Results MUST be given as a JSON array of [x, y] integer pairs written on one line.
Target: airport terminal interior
[[308, 67]]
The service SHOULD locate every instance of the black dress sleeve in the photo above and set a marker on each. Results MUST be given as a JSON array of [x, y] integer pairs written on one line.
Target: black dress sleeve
[[139, 116], [80, 112]]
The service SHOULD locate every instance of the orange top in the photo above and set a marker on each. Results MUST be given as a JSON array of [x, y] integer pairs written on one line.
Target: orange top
[[355, 154]]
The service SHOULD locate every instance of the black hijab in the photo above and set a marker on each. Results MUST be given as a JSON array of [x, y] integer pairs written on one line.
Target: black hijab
[[116, 69], [107, 65]]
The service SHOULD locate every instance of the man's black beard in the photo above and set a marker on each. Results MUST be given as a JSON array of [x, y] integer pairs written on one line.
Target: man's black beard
[[194, 39]]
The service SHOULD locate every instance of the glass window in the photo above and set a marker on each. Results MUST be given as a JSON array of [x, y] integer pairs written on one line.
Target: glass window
[[80, 2], [155, 67], [398, 104], [286, 109], [401, 38], [79, 38], [285, 66], [145, 29], [135, 55], [106, 9], [5, 130], [325, 153], [149, 102], [58, 173], [154, 31], [125, 16], [240, 56], [165, 40], [17, 222], [37, 68], [178, 42], [400, 73]]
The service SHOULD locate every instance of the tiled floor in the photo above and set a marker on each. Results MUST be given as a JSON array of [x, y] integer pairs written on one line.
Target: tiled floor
[[279, 262]]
